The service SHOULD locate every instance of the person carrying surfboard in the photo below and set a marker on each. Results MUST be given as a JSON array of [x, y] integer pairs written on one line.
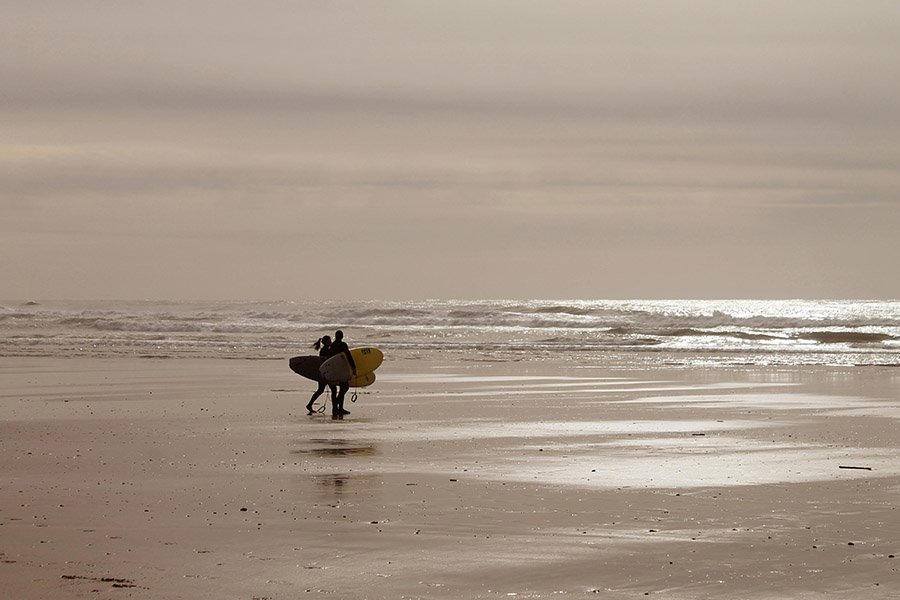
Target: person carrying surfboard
[[337, 347], [323, 345]]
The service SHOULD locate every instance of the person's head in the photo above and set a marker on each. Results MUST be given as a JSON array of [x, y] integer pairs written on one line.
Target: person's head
[[325, 340], [338, 335]]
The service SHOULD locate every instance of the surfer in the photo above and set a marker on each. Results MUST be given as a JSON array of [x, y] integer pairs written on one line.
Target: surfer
[[323, 345], [337, 402]]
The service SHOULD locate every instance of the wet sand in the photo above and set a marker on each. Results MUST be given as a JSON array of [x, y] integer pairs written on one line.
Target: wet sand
[[451, 478]]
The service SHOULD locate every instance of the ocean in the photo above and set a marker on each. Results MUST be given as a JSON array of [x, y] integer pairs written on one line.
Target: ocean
[[610, 332]]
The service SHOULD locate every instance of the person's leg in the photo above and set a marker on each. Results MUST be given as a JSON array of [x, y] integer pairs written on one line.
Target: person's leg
[[344, 386], [315, 395]]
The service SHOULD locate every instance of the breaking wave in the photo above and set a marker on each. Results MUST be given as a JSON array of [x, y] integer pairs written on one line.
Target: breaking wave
[[868, 330]]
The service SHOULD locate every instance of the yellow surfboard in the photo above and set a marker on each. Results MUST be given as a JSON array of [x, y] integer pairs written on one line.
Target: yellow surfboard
[[364, 380], [337, 369]]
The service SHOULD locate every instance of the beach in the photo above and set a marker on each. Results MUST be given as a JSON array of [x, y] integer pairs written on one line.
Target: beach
[[454, 476]]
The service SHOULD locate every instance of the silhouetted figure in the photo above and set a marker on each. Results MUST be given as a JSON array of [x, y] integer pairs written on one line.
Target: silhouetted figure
[[337, 403], [323, 345]]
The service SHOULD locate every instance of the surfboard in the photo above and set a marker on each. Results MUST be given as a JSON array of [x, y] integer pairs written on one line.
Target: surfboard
[[307, 366], [337, 368], [363, 380]]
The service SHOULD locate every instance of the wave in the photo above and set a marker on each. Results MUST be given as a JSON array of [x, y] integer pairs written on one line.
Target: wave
[[848, 337], [689, 317], [742, 335], [633, 325]]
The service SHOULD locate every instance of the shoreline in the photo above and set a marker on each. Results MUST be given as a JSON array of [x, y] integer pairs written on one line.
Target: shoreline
[[193, 478]]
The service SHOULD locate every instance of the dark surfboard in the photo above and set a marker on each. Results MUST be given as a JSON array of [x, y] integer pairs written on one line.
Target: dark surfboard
[[307, 366]]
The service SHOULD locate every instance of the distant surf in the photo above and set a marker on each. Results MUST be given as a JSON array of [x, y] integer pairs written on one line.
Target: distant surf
[[718, 332]]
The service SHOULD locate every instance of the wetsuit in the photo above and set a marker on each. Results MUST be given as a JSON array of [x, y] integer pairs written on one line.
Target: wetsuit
[[325, 353], [337, 402]]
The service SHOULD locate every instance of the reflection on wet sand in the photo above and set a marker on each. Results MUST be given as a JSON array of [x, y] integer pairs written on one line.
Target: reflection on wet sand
[[341, 488], [333, 481], [336, 447]]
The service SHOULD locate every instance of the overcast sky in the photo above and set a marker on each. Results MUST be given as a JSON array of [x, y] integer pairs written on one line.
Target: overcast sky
[[457, 149]]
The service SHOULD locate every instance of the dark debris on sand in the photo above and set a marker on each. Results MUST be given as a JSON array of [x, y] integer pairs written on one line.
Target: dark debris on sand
[[117, 582]]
